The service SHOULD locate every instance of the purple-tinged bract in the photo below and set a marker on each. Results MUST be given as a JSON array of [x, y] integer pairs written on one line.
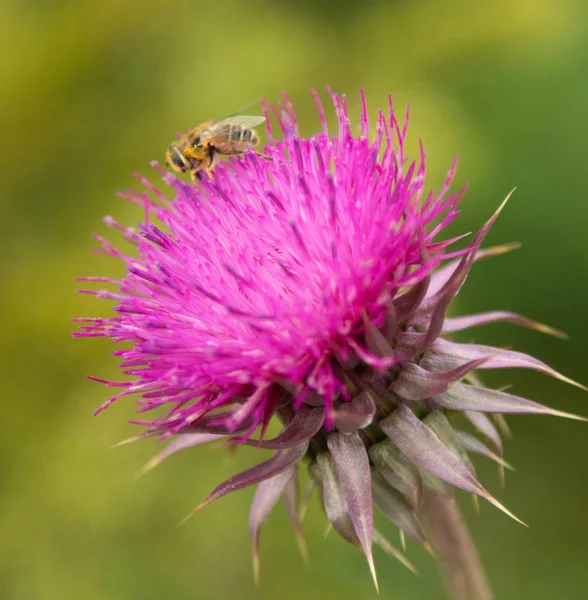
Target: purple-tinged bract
[[311, 284]]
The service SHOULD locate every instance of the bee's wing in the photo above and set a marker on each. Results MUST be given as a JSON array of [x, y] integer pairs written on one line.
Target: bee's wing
[[225, 135], [241, 120]]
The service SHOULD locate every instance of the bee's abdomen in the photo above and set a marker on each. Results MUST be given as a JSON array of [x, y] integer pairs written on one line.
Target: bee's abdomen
[[238, 134]]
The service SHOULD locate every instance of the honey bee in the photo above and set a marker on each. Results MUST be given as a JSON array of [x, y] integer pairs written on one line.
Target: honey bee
[[197, 149]]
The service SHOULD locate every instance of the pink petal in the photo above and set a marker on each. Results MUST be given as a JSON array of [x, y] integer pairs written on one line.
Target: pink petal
[[425, 449], [280, 461], [416, 383], [353, 471], [497, 316], [444, 354], [178, 444], [468, 397], [398, 470], [267, 494], [442, 275], [394, 505], [305, 423], [356, 414]]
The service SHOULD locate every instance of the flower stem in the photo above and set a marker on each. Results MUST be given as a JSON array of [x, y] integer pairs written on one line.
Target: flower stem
[[453, 547]]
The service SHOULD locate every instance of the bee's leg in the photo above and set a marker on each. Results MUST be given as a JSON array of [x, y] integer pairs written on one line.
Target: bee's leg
[[195, 175], [208, 167], [195, 168]]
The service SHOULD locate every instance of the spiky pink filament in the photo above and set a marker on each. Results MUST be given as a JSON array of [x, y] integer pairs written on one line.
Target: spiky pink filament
[[267, 273]]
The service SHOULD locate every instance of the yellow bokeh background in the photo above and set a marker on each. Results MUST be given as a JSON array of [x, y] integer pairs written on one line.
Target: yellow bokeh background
[[92, 91]]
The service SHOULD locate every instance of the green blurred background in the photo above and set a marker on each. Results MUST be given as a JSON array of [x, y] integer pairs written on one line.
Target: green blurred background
[[92, 91]]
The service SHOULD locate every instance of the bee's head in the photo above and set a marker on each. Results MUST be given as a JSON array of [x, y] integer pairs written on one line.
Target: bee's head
[[175, 159]]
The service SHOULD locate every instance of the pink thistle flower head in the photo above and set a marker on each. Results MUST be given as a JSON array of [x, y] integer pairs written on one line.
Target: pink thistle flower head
[[311, 284]]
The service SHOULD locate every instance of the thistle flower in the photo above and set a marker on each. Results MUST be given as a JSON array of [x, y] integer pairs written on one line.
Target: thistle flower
[[313, 288]]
